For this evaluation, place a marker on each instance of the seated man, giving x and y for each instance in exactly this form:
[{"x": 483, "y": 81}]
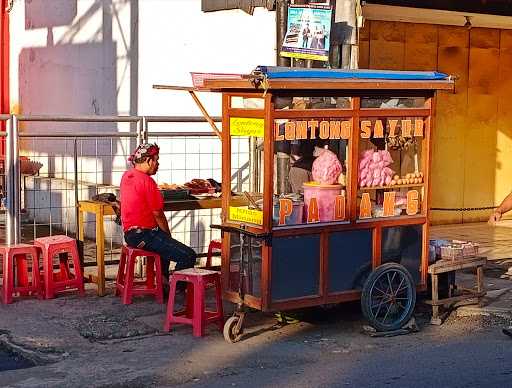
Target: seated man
[{"x": 144, "y": 223}]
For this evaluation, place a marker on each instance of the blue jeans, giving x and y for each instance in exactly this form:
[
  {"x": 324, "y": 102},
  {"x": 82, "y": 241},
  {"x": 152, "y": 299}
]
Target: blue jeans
[{"x": 169, "y": 249}]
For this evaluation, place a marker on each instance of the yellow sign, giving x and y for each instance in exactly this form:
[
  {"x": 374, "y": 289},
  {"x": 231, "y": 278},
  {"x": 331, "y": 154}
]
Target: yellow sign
[
  {"x": 243, "y": 214},
  {"x": 315, "y": 57},
  {"x": 245, "y": 126}
]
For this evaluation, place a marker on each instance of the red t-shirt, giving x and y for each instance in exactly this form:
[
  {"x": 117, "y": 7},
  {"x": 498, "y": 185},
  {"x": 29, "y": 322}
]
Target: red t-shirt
[{"x": 140, "y": 197}]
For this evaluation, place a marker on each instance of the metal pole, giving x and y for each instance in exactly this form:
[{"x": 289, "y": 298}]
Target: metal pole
[
  {"x": 253, "y": 166},
  {"x": 281, "y": 26},
  {"x": 283, "y": 170},
  {"x": 77, "y": 210},
  {"x": 16, "y": 181},
  {"x": 9, "y": 189}
]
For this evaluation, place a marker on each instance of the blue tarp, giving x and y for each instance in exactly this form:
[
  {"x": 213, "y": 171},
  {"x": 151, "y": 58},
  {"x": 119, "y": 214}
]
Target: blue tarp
[{"x": 273, "y": 72}]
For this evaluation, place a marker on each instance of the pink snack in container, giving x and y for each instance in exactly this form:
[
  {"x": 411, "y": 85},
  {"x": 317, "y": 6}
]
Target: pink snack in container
[{"x": 326, "y": 168}]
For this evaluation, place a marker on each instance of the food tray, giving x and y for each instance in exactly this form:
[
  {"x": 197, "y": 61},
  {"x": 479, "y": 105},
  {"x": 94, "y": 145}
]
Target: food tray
[
  {"x": 469, "y": 249},
  {"x": 175, "y": 195},
  {"x": 205, "y": 190},
  {"x": 452, "y": 252}
]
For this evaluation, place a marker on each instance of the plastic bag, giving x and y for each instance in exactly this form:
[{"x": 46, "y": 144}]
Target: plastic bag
[{"x": 326, "y": 168}]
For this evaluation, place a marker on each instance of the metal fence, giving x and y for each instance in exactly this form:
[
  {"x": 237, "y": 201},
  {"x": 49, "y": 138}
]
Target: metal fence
[{"x": 74, "y": 163}]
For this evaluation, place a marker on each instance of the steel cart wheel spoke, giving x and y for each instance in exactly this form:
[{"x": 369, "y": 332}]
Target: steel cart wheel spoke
[{"x": 390, "y": 309}]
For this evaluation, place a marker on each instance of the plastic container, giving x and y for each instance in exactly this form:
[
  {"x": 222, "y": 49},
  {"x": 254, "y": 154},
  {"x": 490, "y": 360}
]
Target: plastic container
[
  {"x": 175, "y": 195},
  {"x": 293, "y": 219},
  {"x": 325, "y": 197}
]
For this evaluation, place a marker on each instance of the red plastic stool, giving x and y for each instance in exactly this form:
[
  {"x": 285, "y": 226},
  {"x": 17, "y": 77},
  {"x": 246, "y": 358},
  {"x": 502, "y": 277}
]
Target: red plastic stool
[
  {"x": 65, "y": 279},
  {"x": 195, "y": 313},
  {"x": 214, "y": 244},
  {"x": 15, "y": 259},
  {"x": 125, "y": 283}
]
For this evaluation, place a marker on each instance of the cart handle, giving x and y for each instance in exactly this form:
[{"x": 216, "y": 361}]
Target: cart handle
[{"x": 237, "y": 229}]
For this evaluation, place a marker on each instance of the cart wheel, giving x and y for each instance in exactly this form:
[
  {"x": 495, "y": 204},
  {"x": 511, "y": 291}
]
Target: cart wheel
[
  {"x": 388, "y": 297},
  {"x": 230, "y": 330}
]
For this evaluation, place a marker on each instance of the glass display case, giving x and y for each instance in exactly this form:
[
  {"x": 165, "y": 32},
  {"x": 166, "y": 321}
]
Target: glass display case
[{"x": 324, "y": 182}]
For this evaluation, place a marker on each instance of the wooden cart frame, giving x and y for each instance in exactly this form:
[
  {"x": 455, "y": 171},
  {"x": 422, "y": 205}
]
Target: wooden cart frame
[{"x": 356, "y": 89}]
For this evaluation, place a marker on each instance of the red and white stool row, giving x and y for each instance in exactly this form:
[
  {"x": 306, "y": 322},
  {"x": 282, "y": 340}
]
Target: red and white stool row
[{"x": 21, "y": 268}]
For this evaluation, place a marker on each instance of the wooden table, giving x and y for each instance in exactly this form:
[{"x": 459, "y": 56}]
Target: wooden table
[
  {"x": 443, "y": 266},
  {"x": 102, "y": 209}
]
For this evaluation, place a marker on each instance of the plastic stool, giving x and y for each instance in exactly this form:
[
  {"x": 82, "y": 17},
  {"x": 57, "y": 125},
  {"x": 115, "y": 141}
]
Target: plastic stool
[
  {"x": 65, "y": 279},
  {"x": 214, "y": 244},
  {"x": 195, "y": 313},
  {"x": 127, "y": 287},
  {"x": 15, "y": 259}
]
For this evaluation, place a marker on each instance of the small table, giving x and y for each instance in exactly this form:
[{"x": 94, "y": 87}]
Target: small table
[
  {"x": 443, "y": 266},
  {"x": 102, "y": 209}
]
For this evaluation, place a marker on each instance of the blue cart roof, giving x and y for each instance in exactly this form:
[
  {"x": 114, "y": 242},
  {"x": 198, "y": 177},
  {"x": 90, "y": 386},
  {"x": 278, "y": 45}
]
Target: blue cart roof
[{"x": 275, "y": 72}]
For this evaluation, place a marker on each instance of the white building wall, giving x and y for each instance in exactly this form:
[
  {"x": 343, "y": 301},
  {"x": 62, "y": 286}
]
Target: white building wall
[
  {"x": 101, "y": 57},
  {"x": 75, "y": 56}
]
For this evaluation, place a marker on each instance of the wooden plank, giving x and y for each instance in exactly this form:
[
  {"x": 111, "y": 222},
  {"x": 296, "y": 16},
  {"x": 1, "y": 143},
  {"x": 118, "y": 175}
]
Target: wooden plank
[
  {"x": 353, "y": 160},
  {"x": 297, "y": 303},
  {"x": 100, "y": 251},
  {"x": 358, "y": 225},
  {"x": 332, "y": 113},
  {"x": 453, "y": 36},
  {"x": 387, "y": 45},
  {"x": 420, "y": 47},
  {"x": 323, "y": 283},
  {"x": 504, "y": 122},
  {"x": 440, "y": 302},
  {"x": 376, "y": 247},
  {"x": 174, "y": 87},
  {"x": 387, "y": 31},
  {"x": 332, "y": 84},
  {"x": 364, "y": 45},
  {"x": 480, "y": 140},
  {"x": 485, "y": 38},
  {"x": 186, "y": 204},
  {"x": 427, "y": 169},
  {"x": 95, "y": 207},
  {"x": 451, "y": 123},
  {"x": 268, "y": 194},
  {"x": 226, "y": 188},
  {"x": 442, "y": 266}
]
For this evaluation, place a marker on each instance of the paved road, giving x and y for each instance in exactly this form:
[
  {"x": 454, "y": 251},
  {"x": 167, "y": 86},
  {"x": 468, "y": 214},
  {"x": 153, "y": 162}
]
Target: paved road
[
  {"x": 483, "y": 360},
  {"x": 465, "y": 353},
  {"x": 105, "y": 344},
  {"x": 10, "y": 362}
]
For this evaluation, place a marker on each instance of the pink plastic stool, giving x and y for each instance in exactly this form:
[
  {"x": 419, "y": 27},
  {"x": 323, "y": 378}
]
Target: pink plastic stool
[
  {"x": 65, "y": 279},
  {"x": 214, "y": 244},
  {"x": 15, "y": 259},
  {"x": 195, "y": 313},
  {"x": 127, "y": 287}
]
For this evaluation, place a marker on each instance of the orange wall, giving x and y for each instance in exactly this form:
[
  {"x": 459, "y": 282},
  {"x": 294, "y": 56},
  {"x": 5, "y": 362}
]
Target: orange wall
[{"x": 472, "y": 139}]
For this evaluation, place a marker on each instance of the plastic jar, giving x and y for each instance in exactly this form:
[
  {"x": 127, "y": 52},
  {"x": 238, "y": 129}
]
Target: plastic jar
[{"x": 325, "y": 198}]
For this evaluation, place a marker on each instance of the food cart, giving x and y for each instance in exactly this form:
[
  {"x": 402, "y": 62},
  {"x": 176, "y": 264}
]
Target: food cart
[{"x": 337, "y": 188}]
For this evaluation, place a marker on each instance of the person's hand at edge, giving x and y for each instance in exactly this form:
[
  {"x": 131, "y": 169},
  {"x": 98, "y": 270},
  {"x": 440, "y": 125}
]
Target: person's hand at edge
[{"x": 495, "y": 217}]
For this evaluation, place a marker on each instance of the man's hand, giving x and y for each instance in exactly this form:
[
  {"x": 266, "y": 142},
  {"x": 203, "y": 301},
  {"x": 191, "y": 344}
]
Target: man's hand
[{"x": 495, "y": 217}]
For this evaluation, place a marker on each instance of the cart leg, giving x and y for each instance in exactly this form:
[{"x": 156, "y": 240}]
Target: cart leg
[
  {"x": 480, "y": 283},
  {"x": 435, "y": 298}
]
